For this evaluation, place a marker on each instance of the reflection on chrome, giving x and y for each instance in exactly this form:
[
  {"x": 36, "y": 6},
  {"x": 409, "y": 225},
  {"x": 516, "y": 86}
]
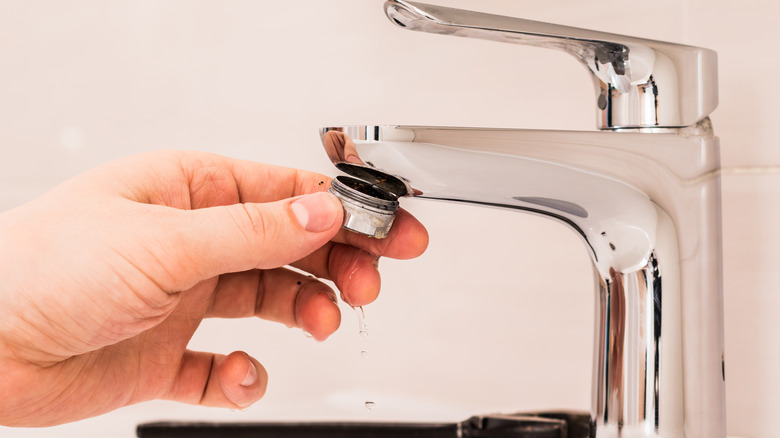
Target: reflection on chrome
[
  {"x": 629, "y": 307},
  {"x": 639, "y": 82},
  {"x": 645, "y": 201},
  {"x": 646, "y": 206}
]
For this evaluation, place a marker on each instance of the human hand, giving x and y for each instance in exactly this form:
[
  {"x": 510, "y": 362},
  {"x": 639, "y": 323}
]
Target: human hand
[{"x": 107, "y": 277}]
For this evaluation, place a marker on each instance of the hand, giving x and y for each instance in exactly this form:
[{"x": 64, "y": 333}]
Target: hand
[{"x": 107, "y": 277}]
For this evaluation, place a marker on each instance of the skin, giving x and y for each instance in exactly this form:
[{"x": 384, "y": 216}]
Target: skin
[{"x": 107, "y": 277}]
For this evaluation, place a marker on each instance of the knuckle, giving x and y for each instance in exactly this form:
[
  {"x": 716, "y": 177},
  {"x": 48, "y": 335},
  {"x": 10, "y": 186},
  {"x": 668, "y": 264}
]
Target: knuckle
[{"x": 255, "y": 227}]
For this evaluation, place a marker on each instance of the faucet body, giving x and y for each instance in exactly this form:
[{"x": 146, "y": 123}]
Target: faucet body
[{"x": 645, "y": 201}]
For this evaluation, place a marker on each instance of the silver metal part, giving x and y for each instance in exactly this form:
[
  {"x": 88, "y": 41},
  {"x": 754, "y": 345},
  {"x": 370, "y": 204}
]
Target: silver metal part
[
  {"x": 639, "y": 83},
  {"x": 645, "y": 201},
  {"x": 647, "y": 207},
  {"x": 368, "y": 209}
]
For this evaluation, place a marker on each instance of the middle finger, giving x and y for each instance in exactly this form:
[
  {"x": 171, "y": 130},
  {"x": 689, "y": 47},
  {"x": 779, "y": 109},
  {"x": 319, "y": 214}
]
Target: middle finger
[
  {"x": 279, "y": 295},
  {"x": 354, "y": 271}
]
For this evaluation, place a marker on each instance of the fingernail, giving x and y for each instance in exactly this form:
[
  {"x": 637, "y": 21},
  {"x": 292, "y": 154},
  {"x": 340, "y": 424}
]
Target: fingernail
[
  {"x": 251, "y": 375},
  {"x": 316, "y": 212}
]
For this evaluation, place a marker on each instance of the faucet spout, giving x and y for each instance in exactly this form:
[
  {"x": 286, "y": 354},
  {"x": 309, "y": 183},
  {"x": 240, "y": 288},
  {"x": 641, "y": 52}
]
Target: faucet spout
[
  {"x": 646, "y": 207},
  {"x": 643, "y": 193}
]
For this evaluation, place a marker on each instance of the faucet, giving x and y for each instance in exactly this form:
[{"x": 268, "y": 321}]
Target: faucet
[{"x": 642, "y": 192}]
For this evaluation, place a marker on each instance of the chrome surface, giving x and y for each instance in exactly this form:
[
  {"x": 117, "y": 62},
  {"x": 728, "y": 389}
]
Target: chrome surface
[
  {"x": 639, "y": 82},
  {"x": 646, "y": 203},
  {"x": 629, "y": 382},
  {"x": 647, "y": 207},
  {"x": 368, "y": 209}
]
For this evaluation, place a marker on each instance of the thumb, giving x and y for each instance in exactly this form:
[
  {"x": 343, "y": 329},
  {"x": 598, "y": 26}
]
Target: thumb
[{"x": 240, "y": 237}]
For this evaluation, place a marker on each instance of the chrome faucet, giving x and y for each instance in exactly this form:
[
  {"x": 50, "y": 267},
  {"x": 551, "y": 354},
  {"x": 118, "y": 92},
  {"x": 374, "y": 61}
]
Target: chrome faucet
[{"x": 643, "y": 193}]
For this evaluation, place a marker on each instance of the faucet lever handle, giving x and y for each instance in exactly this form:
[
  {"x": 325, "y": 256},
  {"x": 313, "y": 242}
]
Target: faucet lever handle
[{"x": 640, "y": 83}]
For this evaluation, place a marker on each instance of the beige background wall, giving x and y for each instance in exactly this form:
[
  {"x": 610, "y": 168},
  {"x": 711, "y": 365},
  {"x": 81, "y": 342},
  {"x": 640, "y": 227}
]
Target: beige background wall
[{"x": 497, "y": 315}]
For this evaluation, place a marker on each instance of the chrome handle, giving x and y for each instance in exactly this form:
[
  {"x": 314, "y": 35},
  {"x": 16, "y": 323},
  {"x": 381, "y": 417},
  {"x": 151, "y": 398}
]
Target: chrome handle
[{"x": 640, "y": 83}]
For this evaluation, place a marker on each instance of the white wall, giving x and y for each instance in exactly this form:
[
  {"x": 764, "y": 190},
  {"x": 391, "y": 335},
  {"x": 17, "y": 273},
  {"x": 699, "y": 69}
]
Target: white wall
[{"x": 496, "y": 316}]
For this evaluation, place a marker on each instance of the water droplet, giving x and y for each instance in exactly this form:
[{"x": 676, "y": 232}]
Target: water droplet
[
  {"x": 369, "y": 405},
  {"x": 364, "y": 354},
  {"x": 362, "y": 327}
]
